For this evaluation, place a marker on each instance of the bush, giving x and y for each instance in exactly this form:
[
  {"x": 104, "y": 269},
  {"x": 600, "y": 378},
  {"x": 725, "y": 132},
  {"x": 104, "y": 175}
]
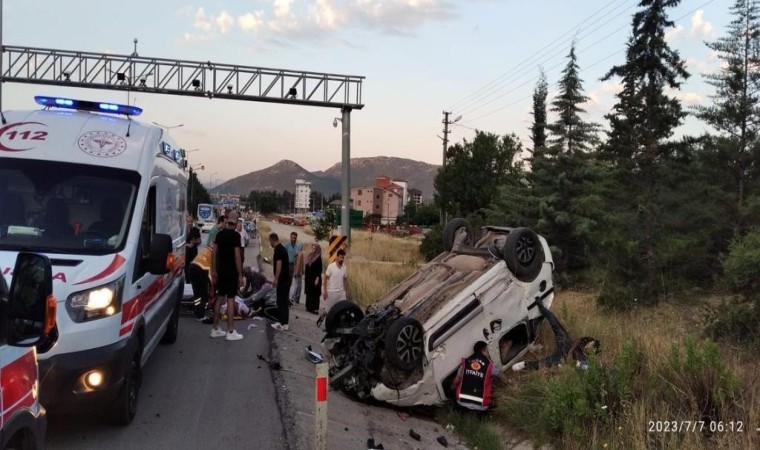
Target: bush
[
  {"x": 698, "y": 382},
  {"x": 741, "y": 267},
  {"x": 432, "y": 243},
  {"x": 735, "y": 321}
]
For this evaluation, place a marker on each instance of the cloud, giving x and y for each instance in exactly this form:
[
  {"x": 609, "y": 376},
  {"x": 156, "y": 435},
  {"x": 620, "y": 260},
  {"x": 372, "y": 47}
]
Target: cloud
[
  {"x": 673, "y": 34},
  {"x": 288, "y": 20},
  {"x": 282, "y": 8},
  {"x": 699, "y": 27},
  {"x": 201, "y": 22},
  {"x": 251, "y": 22},
  {"x": 224, "y": 22},
  {"x": 690, "y": 98}
]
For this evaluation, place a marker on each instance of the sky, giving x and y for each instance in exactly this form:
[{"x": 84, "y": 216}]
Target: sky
[{"x": 478, "y": 59}]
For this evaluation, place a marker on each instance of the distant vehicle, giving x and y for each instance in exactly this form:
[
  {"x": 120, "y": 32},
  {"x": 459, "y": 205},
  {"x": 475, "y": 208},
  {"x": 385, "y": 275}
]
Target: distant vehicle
[
  {"x": 206, "y": 217},
  {"x": 27, "y": 317},
  {"x": 103, "y": 197},
  {"x": 407, "y": 348}
]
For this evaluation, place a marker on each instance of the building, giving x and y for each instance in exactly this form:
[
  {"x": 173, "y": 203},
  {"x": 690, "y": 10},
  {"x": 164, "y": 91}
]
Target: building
[
  {"x": 415, "y": 196},
  {"x": 302, "y": 202},
  {"x": 385, "y": 199}
]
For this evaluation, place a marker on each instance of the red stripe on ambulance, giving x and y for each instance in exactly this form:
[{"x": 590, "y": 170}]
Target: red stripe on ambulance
[{"x": 17, "y": 381}]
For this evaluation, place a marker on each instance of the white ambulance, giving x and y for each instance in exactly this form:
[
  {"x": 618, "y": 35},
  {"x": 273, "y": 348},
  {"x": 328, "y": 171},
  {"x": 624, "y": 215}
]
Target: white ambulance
[{"x": 103, "y": 197}]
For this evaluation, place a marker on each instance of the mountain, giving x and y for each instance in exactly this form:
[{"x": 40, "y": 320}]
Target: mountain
[{"x": 281, "y": 176}]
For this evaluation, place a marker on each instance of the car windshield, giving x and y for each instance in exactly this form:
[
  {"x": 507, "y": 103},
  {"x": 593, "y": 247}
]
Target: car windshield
[{"x": 59, "y": 207}]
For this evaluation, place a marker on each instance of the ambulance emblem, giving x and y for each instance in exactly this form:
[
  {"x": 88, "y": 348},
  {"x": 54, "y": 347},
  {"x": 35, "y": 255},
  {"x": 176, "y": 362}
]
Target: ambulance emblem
[{"x": 102, "y": 143}]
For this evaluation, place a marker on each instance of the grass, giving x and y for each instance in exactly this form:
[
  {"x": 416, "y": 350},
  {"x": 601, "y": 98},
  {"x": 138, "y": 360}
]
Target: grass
[{"x": 478, "y": 433}]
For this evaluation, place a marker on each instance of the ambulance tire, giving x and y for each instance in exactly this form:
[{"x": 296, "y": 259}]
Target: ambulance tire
[
  {"x": 172, "y": 328},
  {"x": 124, "y": 408}
]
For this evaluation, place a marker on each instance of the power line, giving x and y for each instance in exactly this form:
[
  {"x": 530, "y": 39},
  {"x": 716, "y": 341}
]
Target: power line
[
  {"x": 551, "y": 46},
  {"x": 582, "y": 70},
  {"x": 560, "y": 50}
]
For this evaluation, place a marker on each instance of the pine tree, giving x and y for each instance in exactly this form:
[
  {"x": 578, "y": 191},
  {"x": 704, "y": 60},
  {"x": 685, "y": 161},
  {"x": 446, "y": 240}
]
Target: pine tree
[
  {"x": 538, "y": 128},
  {"x": 560, "y": 173},
  {"x": 639, "y": 150},
  {"x": 569, "y": 132},
  {"x": 735, "y": 112}
]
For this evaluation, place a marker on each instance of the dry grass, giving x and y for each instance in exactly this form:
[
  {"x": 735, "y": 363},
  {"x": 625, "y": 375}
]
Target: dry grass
[
  {"x": 368, "y": 280},
  {"x": 383, "y": 247},
  {"x": 655, "y": 331}
]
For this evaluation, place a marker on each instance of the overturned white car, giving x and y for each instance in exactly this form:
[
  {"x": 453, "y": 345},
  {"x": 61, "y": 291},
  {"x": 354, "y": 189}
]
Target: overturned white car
[{"x": 407, "y": 347}]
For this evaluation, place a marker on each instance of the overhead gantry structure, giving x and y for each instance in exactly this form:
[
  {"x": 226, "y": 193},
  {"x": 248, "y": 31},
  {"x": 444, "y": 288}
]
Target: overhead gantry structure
[{"x": 212, "y": 80}]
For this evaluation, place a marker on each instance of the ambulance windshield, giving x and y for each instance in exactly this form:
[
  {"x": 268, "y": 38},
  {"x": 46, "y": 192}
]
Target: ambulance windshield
[{"x": 59, "y": 207}]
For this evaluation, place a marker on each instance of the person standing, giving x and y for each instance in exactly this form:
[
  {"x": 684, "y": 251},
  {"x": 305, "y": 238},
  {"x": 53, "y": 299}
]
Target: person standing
[
  {"x": 298, "y": 268},
  {"x": 227, "y": 275},
  {"x": 281, "y": 281},
  {"x": 335, "y": 286},
  {"x": 192, "y": 241},
  {"x": 215, "y": 229},
  {"x": 313, "y": 278},
  {"x": 293, "y": 247}
]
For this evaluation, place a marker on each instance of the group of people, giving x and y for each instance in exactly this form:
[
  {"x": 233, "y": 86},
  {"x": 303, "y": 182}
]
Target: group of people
[{"x": 219, "y": 278}]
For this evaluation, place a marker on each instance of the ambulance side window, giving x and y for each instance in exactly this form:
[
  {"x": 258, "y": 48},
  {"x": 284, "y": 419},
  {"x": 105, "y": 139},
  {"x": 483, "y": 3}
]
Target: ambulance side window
[{"x": 147, "y": 229}]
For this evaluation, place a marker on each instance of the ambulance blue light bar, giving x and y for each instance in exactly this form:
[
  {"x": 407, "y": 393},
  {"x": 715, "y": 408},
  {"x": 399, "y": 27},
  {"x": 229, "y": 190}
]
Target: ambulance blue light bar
[{"x": 84, "y": 105}]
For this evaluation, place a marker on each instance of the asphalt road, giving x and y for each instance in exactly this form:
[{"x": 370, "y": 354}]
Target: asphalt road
[{"x": 199, "y": 393}]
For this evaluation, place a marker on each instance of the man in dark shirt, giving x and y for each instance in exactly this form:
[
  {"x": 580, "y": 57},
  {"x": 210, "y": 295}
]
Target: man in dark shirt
[
  {"x": 281, "y": 281},
  {"x": 192, "y": 241},
  {"x": 227, "y": 273}
]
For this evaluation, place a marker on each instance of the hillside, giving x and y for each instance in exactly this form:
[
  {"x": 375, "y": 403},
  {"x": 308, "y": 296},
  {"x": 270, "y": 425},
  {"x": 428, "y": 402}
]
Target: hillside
[{"x": 281, "y": 176}]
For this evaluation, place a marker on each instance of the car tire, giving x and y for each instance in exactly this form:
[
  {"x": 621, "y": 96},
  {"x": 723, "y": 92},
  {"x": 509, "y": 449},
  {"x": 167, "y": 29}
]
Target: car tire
[
  {"x": 124, "y": 408},
  {"x": 344, "y": 314},
  {"x": 404, "y": 344},
  {"x": 523, "y": 253},
  {"x": 452, "y": 229}
]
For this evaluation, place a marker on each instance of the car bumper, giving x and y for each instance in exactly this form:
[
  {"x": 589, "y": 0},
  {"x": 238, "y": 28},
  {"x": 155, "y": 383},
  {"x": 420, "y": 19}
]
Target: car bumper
[{"x": 62, "y": 386}]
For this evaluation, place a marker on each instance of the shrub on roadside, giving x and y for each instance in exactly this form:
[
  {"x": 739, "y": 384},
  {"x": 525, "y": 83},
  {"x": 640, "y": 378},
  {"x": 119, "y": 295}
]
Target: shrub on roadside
[{"x": 432, "y": 243}]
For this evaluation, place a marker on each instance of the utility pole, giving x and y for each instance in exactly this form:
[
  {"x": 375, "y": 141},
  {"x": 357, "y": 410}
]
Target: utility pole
[{"x": 445, "y": 147}]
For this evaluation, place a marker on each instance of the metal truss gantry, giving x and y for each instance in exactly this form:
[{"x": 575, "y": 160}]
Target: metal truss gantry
[
  {"x": 135, "y": 73},
  {"x": 180, "y": 77}
]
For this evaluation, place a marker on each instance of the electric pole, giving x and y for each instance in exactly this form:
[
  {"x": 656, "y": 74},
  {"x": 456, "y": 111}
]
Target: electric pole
[{"x": 445, "y": 134}]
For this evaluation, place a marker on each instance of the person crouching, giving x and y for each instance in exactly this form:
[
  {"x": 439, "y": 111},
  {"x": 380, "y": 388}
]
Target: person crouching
[{"x": 474, "y": 379}]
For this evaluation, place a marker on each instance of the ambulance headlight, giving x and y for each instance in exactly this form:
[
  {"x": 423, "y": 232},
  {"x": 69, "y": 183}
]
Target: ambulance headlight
[{"x": 96, "y": 303}]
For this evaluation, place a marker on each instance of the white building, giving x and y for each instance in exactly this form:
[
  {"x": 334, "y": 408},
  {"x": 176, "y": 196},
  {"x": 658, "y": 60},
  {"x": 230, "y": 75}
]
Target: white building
[{"x": 303, "y": 196}]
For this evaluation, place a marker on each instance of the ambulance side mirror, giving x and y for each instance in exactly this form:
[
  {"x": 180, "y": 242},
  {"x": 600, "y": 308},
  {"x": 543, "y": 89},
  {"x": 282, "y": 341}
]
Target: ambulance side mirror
[
  {"x": 31, "y": 305},
  {"x": 161, "y": 252}
]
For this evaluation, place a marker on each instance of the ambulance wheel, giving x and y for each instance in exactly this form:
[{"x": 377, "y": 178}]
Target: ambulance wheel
[
  {"x": 403, "y": 343},
  {"x": 172, "y": 328},
  {"x": 125, "y": 407}
]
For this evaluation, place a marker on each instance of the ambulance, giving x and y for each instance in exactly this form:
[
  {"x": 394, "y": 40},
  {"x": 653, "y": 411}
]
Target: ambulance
[
  {"x": 104, "y": 197},
  {"x": 27, "y": 318}
]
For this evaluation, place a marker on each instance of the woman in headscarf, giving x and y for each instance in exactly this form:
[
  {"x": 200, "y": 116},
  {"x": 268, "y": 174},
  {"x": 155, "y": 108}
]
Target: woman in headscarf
[{"x": 313, "y": 278}]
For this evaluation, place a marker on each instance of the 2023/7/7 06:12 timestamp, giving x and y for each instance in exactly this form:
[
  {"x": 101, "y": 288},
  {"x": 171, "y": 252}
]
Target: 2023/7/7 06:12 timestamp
[{"x": 695, "y": 426}]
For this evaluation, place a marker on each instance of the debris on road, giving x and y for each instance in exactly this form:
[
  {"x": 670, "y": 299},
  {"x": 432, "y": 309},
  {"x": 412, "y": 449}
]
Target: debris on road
[
  {"x": 442, "y": 440},
  {"x": 416, "y": 436},
  {"x": 312, "y": 356}
]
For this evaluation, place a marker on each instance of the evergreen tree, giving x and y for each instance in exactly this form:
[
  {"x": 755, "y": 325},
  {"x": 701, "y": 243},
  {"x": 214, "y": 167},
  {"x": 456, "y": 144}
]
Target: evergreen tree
[
  {"x": 561, "y": 174},
  {"x": 638, "y": 148},
  {"x": 569, "y": 133},
  {"x": 735, "y": 112},
  {"x": 538, "y": 128}
]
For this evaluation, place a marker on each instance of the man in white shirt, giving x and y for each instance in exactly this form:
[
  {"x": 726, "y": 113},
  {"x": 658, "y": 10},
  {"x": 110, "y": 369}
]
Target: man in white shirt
[{"x": 335, "y": 286}]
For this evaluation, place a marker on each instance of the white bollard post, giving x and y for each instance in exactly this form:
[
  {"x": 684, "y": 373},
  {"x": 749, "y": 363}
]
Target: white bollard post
[{"x": 320, "y": 409}]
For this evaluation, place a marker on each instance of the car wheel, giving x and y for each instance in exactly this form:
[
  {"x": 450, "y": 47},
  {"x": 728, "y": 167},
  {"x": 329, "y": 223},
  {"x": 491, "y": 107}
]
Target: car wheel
[
  {"x": 523, "y": 253},
  {"x": 453, "y": 231},
  {"x": 403, "y": 343},
  {"x": 125, "y": 407},
  {"x": 344, "y": 314}
]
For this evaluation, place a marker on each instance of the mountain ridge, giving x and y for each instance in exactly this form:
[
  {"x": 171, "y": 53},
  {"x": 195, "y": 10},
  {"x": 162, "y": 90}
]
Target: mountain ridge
[{"x": 281, "y": 176}]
